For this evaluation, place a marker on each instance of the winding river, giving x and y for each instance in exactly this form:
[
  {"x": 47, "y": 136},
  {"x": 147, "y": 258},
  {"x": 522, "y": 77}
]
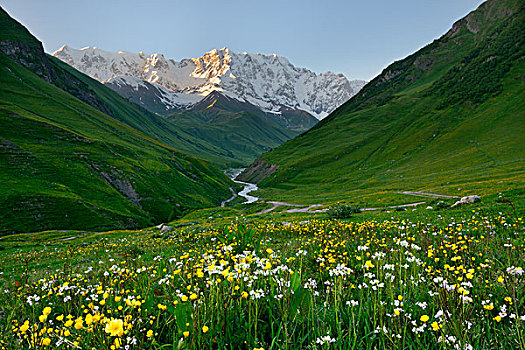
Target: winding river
[{"x": 248, "y": 187}]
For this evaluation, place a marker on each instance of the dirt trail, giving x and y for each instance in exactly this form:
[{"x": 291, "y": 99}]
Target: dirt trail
[
  {"x": 223, "y": 204},
  {"x": 307, "y": 209},
  {"x": 278, "y": 204},
  {"x": 428, "y": 194},
  {"x": 67, "y": 238},
  {"x": 395, "y": 206}
]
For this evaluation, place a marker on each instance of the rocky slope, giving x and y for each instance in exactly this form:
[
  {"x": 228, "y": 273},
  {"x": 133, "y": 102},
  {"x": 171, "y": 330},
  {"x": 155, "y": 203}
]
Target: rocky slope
[{"x": 270, "y": 82}]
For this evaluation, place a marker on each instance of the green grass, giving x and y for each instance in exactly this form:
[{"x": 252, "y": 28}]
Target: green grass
[
  {"x": 378, "y": 280},
  {"x": 14, "y": 31},
  {"x": 241, "y": 136},
  {"x": 447, "y": 119},
  {"x": 66, "y": 165}
]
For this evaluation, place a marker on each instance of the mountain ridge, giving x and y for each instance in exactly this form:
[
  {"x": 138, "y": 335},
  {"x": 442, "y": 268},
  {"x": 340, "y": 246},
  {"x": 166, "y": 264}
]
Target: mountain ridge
[
  {"x": 423, "y": 122},
  {"x": 269, "y": 81}
]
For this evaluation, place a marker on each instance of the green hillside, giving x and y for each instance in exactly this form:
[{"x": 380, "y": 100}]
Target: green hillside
[
  {"x": 241, "y": 130},
  {"x": 65, "y": 164},
  {"x": 235, "y": 138},
  {"x": 228, "y": 134},
  {"x": 450, "y": 119}
]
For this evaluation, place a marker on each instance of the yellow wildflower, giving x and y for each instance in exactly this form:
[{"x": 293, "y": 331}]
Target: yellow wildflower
[
  {"x": 369, "y": 264},
  {"x": 115, "y": 327},
  {"x": 24, "y": 327}
]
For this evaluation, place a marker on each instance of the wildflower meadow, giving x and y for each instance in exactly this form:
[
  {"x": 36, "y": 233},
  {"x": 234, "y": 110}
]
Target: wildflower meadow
[{"x": 451, "y": 281}]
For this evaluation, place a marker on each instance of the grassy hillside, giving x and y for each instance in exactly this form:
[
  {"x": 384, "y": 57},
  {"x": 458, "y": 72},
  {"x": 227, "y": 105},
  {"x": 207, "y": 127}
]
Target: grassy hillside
[
  {"x": 65, "y": 164},
  {"x": 240, "y": 130},
  {"x": 449, "y": 118},
  {"x": 230, "y": 141}
]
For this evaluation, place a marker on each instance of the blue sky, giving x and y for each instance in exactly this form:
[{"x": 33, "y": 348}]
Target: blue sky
[{"x": 356, "y": 38}]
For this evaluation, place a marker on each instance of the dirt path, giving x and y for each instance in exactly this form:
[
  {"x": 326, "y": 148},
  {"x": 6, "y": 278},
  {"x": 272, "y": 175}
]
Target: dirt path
[
  {"x": 223, "y": 204},
  {"x": 428, "y": 194},
  {"x": 307, "y": 209},
  {"x": 278, "y": 204},
  {"x": 68, "y": 238},
  {"x": 395, "y": 206}
]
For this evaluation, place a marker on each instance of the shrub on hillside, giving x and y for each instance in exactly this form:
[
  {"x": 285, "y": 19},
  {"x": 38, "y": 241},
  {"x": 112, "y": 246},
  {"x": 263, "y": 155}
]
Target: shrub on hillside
[
  {"x": 442, "y": 205},
  {"x": 502, "y": 199},
  {"x": 342, "y": 211}
]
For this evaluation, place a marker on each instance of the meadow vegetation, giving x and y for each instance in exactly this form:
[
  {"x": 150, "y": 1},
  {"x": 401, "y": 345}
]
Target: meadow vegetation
[
  {"x": 447, "y": 119},
  {"x": 438, "y": 279},
  {"x": 342, "y": 211}
]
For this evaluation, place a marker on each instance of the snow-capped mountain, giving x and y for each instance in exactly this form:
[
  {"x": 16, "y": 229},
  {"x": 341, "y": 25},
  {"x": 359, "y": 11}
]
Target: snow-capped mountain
[
  {"x": 270, "y": 82},
  {"x": 151, "y": 96}
]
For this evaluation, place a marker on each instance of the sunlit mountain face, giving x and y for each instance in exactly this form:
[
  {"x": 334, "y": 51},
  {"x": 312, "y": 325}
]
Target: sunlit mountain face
[{"x": 270, "y": 82}]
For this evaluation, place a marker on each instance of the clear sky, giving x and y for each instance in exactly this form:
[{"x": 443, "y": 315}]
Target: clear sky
[{"x": 355, "y": 37}]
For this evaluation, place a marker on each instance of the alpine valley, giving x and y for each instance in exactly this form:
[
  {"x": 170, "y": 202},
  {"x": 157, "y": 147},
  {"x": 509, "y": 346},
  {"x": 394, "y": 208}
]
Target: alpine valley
[
  {"x": 236, "y": 201},
  {"x": 243, "y": 104},
  {"x": 77, "y": 153}
]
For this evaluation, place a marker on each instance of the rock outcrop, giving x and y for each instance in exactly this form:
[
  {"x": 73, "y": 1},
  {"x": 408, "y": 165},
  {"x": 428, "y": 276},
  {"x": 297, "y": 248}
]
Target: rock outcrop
[{"x": 467, "y": 199}]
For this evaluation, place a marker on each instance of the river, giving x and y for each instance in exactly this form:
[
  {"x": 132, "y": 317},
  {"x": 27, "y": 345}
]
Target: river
[{"x": 248, "y": 187}]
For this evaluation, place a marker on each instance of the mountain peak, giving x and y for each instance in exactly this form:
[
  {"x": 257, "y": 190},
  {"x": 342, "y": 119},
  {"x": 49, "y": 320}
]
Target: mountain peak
[{"x": 268, "y": 81}]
